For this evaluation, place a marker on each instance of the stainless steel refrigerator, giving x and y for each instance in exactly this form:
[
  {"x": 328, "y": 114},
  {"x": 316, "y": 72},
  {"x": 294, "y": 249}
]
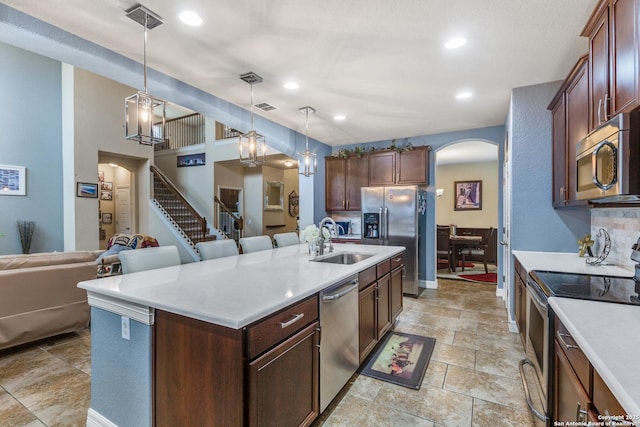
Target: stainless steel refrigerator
[{"x": 390, "y": 217}]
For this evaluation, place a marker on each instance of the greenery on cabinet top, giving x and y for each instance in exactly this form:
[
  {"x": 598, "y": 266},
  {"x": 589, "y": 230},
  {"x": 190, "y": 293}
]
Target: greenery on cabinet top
[{"x": 359, "y": 150}]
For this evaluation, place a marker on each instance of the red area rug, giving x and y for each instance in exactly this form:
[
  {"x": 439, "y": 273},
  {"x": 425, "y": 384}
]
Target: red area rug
[{"x": 480, "y": 278}]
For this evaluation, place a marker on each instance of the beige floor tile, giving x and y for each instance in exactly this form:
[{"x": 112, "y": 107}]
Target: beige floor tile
[
  {"x": 441, "y": 406},
  {"x": 502, "y": 363},
  {"x": 353, "y": 411},
  {"x": 14, "y": 414},
  {"x": 76, "y": 352},
  {"x": 489, "y": 414},
  {"x": 489, "y": 387},
  {"x": 452, "y": 355},
  {"x": 466, "y": 325}
]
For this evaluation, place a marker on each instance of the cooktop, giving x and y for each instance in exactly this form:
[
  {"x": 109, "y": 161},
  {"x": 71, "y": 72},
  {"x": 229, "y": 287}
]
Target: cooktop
[{"x": 584, "y": 286}]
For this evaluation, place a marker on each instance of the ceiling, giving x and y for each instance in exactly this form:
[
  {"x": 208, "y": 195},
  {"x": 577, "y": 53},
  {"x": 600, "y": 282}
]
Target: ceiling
[{"x": 380, "y": 63}]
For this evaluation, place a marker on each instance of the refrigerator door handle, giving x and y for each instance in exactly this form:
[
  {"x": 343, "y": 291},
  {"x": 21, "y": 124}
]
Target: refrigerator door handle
[
  {"x": 386, "y": 225},
  {"x": 382, "y": 225}
]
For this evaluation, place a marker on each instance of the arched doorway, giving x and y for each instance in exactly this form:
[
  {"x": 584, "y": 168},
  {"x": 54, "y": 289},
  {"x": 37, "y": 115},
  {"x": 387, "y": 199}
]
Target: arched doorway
[{"x": 467, "y": 187}]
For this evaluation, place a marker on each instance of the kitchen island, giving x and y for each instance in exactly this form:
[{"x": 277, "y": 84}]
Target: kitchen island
[{"x": 188, "y": 341}]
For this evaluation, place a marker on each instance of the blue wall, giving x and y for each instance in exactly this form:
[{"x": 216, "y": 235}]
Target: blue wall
[
  {"x": 121, "y": 371},
  {"x": 30, "y": 119}
]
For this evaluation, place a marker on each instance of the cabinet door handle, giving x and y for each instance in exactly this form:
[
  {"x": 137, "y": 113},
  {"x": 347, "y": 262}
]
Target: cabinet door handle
[
  {"x": 295, "y": 318},
  {"x": 599, "y": 111},
  {"x": 343, "y": 204},
  {"x": 605, "y": 110},
  {"x": 561, "y": 337},
  {"x": 581, "y": 414},
  {"x": 397, "y": 259},
  {"x": 347, "y": 204}
]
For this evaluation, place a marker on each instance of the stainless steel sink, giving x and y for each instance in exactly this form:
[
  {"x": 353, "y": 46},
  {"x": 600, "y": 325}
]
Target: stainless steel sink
[{"x": 343, "y": 258}]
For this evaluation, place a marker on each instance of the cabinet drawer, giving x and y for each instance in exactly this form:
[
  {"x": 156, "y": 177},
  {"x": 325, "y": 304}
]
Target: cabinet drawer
[
  {"x": 383, "y": 267},
  {"x": 277, "y": 327},
  {"x": 396, "y": 261},
  {"x": 604, "y": 401},
  {"x": 366, "y": 277},
  {"x": 578, "y": 360}
]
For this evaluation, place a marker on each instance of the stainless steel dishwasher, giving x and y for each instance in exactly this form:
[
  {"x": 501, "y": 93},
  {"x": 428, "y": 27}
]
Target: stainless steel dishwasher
[{"x": 339, "y": 353}]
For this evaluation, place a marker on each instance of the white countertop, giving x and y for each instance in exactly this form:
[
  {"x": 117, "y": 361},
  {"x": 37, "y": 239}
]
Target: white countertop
[
  {"x": 348, "y": 236},
  {"x": 567, "y": 263},
  {"x": 238, "y": 290},
  {"x": 609, "y": 335}
]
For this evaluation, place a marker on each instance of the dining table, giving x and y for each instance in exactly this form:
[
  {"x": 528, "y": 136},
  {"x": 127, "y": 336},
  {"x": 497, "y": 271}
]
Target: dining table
[{"x": 458, "y": 242}]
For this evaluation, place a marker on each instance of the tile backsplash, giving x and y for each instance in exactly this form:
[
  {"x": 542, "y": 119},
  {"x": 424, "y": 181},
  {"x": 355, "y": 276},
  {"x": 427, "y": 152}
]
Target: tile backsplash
[{"x": 623, "y": 225}]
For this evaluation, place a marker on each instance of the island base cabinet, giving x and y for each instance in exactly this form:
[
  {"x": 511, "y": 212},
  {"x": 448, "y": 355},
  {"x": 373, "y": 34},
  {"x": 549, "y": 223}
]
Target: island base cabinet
[
  {"x": 198, "y": 373},
  {"x": 396, "y": 292},
  {"x": 368, "y": 324},
  {"x": 284, "y": 382}
]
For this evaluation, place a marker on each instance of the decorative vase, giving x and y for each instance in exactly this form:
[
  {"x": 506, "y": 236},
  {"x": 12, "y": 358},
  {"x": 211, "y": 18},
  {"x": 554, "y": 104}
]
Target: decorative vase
[{"x": 313, "y": 249}]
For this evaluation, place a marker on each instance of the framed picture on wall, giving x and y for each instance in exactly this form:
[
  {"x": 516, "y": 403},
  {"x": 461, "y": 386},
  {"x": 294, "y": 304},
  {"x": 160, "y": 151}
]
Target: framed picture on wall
[
  {"x": 106, "y": 186},
  {"x": 106, "y": 195},
  {"x": 191, "y": 160},
  {"x": 85, "y": 189},
  {"x": 100, "y": 176},
  {"x": 107, "y": 218},
  {"x": 468, "y": 195},
  {"x": 12, "y": 180}
]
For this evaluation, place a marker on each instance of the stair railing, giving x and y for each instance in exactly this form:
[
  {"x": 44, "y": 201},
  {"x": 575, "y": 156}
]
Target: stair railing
[
  {"x": 183, "y": 201},
  {"x": 238, "y": 222}
]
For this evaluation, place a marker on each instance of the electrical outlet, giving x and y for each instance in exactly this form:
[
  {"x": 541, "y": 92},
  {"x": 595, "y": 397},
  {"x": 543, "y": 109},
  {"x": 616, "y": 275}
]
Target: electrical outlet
[{"x": 126, "y": 331}]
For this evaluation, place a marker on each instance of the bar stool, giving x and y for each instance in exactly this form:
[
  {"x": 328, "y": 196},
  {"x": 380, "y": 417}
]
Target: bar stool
[
  {"x": 217, "y": 249},
  {"x": 255, "y": 244},
  {"x": 286, "y": 239},
  {"x": 148, "y": 258}
]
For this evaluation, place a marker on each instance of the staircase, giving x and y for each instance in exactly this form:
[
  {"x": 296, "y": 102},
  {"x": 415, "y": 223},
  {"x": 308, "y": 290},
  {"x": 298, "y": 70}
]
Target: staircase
[{"x": 189, "y": 223}]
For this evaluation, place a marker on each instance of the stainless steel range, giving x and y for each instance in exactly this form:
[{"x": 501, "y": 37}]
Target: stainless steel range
[{"x": 539, "y": 320}]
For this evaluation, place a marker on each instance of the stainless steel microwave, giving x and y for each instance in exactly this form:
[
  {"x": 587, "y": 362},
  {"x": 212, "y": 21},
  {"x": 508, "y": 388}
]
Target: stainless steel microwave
[{"x": 608, "y": 162}]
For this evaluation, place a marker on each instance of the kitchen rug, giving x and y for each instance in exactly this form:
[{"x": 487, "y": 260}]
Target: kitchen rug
[
  {"x": 400, "y": 359},
  {"x": 480, "y": 278}
]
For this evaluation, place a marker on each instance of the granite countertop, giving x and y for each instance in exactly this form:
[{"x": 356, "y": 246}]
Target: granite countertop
[
  {"x": 565, "y": 262},
  {"x": 609, "y": 335},
  {"x": 238, "y": 290}
]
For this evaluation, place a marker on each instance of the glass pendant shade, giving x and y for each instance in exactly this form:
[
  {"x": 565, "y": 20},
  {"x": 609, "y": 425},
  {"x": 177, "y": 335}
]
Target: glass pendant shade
[
  {"x": 252, "y": 146},
  {"x": 253, "y": 149},
  {"x": 307, "y": 160},
  {"x": 145, "y": 116}
]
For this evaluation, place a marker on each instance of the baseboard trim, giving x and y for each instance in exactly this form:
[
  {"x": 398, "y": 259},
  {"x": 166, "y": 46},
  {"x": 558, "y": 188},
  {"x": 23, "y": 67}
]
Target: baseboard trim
[
  {"x": 429, "y": 284},
  {"x": 95, "y": 419},
  {"x": 499, "y": 292},
  {"x": 513, "y": 326}
]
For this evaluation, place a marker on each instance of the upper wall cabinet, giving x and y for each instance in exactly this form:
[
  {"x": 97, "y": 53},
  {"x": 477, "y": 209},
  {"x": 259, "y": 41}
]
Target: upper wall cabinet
[
  {"x": 570, "y": 113},
  {"x": 343, "y": 180},
  {"x": 613, "y": 32},
  {"x": 408, "y": 167}
]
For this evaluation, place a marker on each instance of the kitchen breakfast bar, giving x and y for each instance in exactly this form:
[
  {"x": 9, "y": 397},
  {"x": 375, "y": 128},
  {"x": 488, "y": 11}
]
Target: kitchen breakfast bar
[{"x": 230, "y": 341}]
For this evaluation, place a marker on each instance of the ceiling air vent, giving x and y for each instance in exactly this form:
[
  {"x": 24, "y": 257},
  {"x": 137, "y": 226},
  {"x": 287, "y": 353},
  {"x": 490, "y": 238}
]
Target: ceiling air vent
[{"x": 265, "y": 106}]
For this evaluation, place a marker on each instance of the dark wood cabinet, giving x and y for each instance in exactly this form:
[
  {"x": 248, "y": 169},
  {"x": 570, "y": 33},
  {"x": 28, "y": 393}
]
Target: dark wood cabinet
[
  {"x": 284, "y": 382},
  {"x": 380, "y": 301},
  {"x": 570, "y": 121},
  {"x": 269, "y": 371},
  {"x": 408, "y": 167},
  {"x": 613, "y": 59},
  {"x": 572, "y": 402},
  {"x": 343, "y": 180}
]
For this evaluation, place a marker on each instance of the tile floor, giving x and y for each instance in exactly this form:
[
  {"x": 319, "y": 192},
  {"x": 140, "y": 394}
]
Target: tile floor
[{"x": 472, "y": 379}]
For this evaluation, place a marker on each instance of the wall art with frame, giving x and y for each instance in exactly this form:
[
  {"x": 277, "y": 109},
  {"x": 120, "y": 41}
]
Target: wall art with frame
[
  {"x": 468, "y": 195},
  {"x": 13, "y": 180},
  {"x": 86, "y": 189}
]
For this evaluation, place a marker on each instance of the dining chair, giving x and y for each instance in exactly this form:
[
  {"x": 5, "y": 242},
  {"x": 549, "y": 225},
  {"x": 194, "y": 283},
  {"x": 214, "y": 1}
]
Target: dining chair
[
  {"x": 136, "y": 260},
  {"x": 286, "y": 239},
  {"x": 480, "y": 251},
  {"x": 444, "y": 245},
  {"x": 256, "y": 243},
  {"x": 217, "y": 249}
]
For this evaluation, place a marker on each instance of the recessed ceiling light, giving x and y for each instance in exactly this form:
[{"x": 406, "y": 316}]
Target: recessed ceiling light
[
  {"x": 291, "y": 85},
  {"x": 339, "y": 117},
  {"x": 464, "y": 95},
  {"x": 190, "y": 18},
  {"x": 455, "y": 43}
]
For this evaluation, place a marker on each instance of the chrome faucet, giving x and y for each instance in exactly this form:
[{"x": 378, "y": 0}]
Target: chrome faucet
[{"x": 321, "y": 246}]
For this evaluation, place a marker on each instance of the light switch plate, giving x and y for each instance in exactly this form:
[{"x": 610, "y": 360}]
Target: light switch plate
[{"x": 126, "y": 331}]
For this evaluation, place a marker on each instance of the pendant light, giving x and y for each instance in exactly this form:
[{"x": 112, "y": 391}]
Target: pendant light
[
  {"x": 307, "y": 161},
  {"x": 251, "y": 145},
  {"x": 145, "y": 115}
]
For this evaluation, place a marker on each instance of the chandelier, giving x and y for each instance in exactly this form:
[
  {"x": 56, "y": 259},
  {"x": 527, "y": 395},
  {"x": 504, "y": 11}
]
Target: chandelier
[
  {"x": 251, "y": 145},
  {"x": 145, "y": 115},
  {"x": 307, "y": 161}
]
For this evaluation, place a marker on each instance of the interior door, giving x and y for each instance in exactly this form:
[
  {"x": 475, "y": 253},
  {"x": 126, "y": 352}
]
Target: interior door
[{"x": 123, "y": 209}]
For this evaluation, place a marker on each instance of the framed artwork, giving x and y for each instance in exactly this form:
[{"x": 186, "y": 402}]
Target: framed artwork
[
  {"x": 100, "y": 176},
  {"x": 107, "y": 218},
  {"x": 191, "y": 160},
  {"x": 85, "y": 189},
  {"x": 468, "y": 195},
  {"x": 12, "y": 180},
  {"x": 106, "y": 186},
  {"x": 106, "y": 195}
]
